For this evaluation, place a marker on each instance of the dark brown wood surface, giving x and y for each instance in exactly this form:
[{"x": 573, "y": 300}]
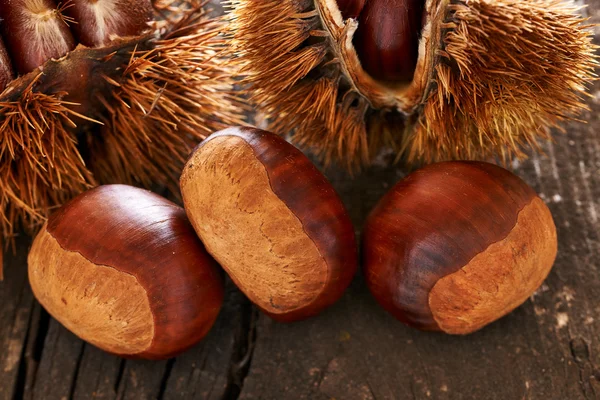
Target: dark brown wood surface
[{"x": 549, "y": 348}]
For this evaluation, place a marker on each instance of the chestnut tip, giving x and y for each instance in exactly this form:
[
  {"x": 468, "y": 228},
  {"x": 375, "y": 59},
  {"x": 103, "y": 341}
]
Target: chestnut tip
[
  {"x": 34, "y": 32},
  {"x": 351, "y": 8},
  {"x": 99, "y": 21}
]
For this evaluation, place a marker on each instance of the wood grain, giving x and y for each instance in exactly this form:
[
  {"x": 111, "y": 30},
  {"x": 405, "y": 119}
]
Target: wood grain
[{"x": 16, "y": 309}]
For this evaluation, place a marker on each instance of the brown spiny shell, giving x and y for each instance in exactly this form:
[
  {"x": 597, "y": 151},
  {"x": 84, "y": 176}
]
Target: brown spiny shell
[
  {"x": 127, "y": 109},
  {"x": 492, "y": 77}
]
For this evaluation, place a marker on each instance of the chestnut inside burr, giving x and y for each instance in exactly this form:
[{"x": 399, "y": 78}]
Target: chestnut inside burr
[
  {"x": 388, "y": 35},
  {"x": 6, "y": 71},
  {"x": 100, "y": 20},
  {"x": 34, "y": 31}
]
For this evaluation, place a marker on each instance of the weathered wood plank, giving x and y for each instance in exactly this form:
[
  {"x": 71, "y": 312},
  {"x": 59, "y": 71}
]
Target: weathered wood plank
[
  {"x": 547, "y": 349},
  {"x": 206, "y": 372},
  {"x": 69, "y": 368},
  {"x": 16, "y": 305},
  {"x": 60, "y": 361},
  {"x": 99, "y": 375}
]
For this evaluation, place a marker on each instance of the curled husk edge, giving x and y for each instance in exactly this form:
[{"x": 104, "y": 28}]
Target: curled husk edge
[{"x": 493, "y": 77}]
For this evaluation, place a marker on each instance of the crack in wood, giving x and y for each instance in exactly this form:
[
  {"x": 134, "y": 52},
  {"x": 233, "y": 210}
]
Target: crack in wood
[
  {"x": 120, "y": 373},
  {"x": 21, "y": 379},
  {"x": 76, "y": 372},
  {"x": 580, "y": 350},
  {"x": 165, "y": 379},
  {"x": 32, "y": 352},
  {"x": 243, "y": 351}
]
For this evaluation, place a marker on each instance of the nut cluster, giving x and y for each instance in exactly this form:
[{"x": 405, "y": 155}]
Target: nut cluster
[
  {"x": 35, "y": 31},
  {"x": 452, "y": 247},
  {"x": 124, "y": 269}
]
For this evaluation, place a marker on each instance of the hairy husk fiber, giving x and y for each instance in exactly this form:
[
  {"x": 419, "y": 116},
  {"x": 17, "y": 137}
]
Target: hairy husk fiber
[
  {"x": 128, "y": 113},
  {"x": 504, "y": 72}
]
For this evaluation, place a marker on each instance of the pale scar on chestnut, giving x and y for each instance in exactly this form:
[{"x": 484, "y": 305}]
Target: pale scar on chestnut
[{"x": 82, "y": 298}]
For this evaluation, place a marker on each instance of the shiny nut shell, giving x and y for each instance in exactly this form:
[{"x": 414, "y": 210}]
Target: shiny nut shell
[
  {"x": 272, "y": 220},
  {"x": 122, "y": 268},
  {"x": 457, "y": 245}
]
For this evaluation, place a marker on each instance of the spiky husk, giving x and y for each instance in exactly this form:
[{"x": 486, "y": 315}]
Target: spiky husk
[
  {"x": 172, "y": 91},
  {"x": 511, "y": 70},
  {"x": 505, "y": 73},
  {"x": 279, "y": 44}
]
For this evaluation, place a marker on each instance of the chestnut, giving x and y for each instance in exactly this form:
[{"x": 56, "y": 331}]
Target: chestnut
[
  {"x": 387, "y": 39},
  {"x": 123, "y": 269},
  {"x": 100, "y": 21},
  {"x": 34, "y": 32},
  {"x": 272, "y": 220},
  {"x": 6, "y": 71},
  {"x": 457, "y": 245}
]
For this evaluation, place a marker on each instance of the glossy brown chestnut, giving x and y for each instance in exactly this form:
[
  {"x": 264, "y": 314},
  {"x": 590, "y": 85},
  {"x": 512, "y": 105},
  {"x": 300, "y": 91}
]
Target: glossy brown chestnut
[
  {"x": 34, "y": 31},
  {"x": 100, "y": 21},
  {"x": 123, "y": 269},
  {"x": 272, "y": 220},
  {"x": 457, "y": 245},
  {"x": 387, "y": 39}
]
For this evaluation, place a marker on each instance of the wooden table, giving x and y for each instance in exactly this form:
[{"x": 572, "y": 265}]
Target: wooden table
[{"x": 547, "y": 349}]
